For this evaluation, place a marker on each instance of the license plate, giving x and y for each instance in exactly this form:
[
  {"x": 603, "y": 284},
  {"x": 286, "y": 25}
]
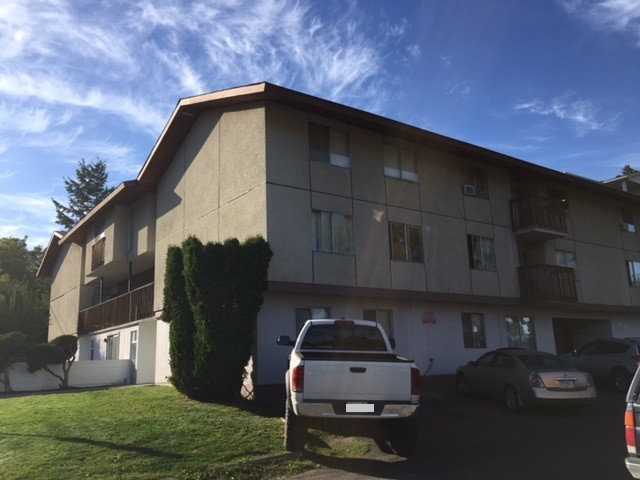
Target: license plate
[
  {"x": 566, "y": 383},
  {"x": 360, "y": 408}
]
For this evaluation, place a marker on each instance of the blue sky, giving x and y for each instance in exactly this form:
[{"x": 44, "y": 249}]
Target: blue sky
[{"x": 554, "y": 82}]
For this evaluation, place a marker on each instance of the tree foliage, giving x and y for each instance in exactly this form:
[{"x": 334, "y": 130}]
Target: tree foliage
[
  {"x": 24, "y": 298},
  {"x": 628, "y": 170},
  {"x": 60, "y": 350},
  {"x": 85, "y": 191},
  {"x": 177, "y": 312},
  {"x": 12, "y": 349},
  {"x": 224, "y": 285}
]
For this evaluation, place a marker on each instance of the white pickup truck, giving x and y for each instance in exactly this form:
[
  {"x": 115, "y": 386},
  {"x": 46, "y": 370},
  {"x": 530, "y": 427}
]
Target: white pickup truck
[{"x": 346, "y": 369}]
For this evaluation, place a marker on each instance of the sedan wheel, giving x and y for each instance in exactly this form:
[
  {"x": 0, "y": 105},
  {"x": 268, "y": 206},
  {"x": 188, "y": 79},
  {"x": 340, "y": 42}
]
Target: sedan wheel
[
  {"x": 462, "y": 385},
  {"x": 621, "y": 380},
  {"x": 511, "y": 398}
]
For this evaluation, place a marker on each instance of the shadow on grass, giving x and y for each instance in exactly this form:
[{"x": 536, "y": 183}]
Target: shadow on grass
[{"x": 99, "y": 443}]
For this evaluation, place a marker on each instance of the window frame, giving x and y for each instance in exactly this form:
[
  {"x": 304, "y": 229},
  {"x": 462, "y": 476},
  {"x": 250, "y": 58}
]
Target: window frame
[
  {"x": 323, "y": 145},
  {"x": 628, "y": 222},
  {"x": 409, "y": 254},
  {"x": 471, "y": 339},
  {"x": 113, "y": 347},
  {"x": 564, "y": 262},
  {"x": 633, "y": 273},
  {"x": 478, "y": 178},
  {"x": 337, "y": 223},
  {"x": 518, "y": 320},
  {"x": 375, "y": 318},
  {"x": 133, "y": 347},
  {"x": 401, "y": 173},
  {"x": 488, "y": 265},
  {"x": 298, "y": 325}
]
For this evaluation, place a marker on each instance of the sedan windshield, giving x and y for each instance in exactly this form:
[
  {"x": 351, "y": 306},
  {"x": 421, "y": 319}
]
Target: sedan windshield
[{"x": 543, "y": 363}]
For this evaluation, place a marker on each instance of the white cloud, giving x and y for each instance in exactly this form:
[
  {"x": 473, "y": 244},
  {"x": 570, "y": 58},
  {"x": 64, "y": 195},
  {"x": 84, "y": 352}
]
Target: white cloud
[
  {"x": 22, "y": 119},
  {"x": 33, "y": 204},
  {"x": 8, "y": 173},
  {"x": 581, "y": 114},
  {"x": 458, "y": 88},
  {"x": 608, "y": 15}
]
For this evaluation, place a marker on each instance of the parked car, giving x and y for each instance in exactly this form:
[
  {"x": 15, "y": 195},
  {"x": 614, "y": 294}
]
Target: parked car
[
  {"x": 614, "y": 359},
  {"x": 522, "y": 377},
  {"x": 632, "y": 425}
]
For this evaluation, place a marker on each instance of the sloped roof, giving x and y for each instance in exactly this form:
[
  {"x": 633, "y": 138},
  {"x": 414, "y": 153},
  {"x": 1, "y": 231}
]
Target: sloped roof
[{"x": 187, "y": 110}]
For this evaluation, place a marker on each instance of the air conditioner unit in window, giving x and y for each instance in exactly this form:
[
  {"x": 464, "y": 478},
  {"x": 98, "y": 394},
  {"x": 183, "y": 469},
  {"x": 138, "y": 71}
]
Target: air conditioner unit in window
[
  {"x": 470, "y": 190},
  {"x": 628, "y": 227}
]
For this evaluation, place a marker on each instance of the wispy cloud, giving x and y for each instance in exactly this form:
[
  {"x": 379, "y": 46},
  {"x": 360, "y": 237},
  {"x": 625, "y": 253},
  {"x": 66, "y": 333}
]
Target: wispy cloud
[
  {"x": 608, "y": 15},
  {"x": 581, "y": 114},
  {"x": 8, "y": 173},
  {"x": 457, "y": 88},
  {"x": 34, "y": 204}
]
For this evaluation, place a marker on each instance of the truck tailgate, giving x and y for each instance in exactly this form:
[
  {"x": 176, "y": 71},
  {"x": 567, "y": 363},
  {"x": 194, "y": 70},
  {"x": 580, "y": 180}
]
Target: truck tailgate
[{"x": 357, "y": 380}]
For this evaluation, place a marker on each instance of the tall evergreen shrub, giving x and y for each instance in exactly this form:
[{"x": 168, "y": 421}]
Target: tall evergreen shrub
[
  {"x": 224, "y": 285},
  {"x": 177, "y": 312}
]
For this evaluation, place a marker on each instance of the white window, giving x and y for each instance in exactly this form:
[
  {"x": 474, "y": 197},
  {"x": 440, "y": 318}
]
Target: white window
[
  {"x": 520, "y": 332},
  {"x": 92, "y": 349},
  {"x": 133, "y": 347},
  {"x": 566, "y": 259},
  {"x": 308, "y": 313},
  {"x": 383, "y": 317},
  {"x": 628, "y": 223},
  {"x": 332, "y": 232},
  {"x": 329, "y": 145},
  {"x": 113, "y": 347},
  {"x": 400, "y": 163},
  {"x": 482, "y": 253},
  {"x": 474, "y": 182},
  {"x": 633, "y": 269},
  {"x": 473, "y": 330},
  {"x": 406, "y": 242}
]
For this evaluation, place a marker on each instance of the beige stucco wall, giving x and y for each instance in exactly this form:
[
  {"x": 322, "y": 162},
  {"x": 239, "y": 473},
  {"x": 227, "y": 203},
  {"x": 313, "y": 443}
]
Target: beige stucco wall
[
  {"x": 214, "y": 187},
  {"x": 143, "y": 224},
  {"x": 66, "y": 291},
  {"x": 435, "y": 203}
]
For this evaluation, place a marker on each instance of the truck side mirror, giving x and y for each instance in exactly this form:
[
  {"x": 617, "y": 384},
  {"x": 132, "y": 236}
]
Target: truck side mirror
[
  {"x": 392, "y": 342},
  {"x": 285, "y": 341}
]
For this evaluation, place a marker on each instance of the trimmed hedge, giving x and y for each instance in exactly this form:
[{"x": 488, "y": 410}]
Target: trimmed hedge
[{"x": 223, "y": 285}]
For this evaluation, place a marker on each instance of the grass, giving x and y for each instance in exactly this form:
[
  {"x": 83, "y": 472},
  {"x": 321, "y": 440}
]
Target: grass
[{"x": 144, "y": 433}]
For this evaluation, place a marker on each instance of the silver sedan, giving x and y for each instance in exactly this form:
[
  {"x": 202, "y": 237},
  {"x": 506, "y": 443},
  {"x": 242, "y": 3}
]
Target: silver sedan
[{"x": 525, "y": 377}]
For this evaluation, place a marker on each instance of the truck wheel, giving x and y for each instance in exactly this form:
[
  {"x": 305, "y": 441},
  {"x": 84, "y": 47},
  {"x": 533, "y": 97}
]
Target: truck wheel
[
  {"x": 404, "y": 434},
  {"x": 295, "y": 430}
]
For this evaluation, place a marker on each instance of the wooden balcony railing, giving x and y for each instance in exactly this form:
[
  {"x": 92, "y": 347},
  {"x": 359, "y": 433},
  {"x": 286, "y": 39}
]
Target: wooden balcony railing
[
  {"x": 535, "y": 212},
  {"x": 548, "y": 282},
  {"x": 97, "y": 254},
  {"x": 126, "y": 308}
]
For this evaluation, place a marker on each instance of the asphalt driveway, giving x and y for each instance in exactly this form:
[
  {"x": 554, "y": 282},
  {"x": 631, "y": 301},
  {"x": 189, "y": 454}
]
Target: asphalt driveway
[{"x": 476, "y": 439}]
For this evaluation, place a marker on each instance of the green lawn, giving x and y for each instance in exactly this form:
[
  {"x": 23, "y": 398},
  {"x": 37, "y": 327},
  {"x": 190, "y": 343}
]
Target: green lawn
[{"x": 144, "y": 432}]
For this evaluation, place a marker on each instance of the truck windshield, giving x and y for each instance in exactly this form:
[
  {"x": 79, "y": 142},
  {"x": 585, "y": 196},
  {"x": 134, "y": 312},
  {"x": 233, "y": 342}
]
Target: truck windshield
[{"x": 358, "y": 338}]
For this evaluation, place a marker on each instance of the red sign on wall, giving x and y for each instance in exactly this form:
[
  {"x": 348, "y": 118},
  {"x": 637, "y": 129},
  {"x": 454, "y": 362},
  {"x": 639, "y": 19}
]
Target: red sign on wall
[{"x": 428, "y": 318}]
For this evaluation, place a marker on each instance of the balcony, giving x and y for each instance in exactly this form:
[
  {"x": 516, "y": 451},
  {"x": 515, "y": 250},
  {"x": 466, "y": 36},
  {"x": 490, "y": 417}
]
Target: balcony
[
  {"x": 132, "y": 306},
  {"x": 536, "y": 218},
  {"x": 97, "y": 253},
  {"x": 548, "y": 283}
]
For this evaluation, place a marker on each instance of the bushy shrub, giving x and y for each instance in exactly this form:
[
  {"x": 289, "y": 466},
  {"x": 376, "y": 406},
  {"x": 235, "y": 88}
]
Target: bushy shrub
[
  {"x": 60, "y": 350},
  {"x": 224, "y": 285},
  {"x": 177, "y": 312},
  {"x": 12, "y": 350}
]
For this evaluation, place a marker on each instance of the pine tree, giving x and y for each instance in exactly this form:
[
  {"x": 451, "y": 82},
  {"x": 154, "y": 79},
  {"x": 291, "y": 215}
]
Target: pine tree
[{"x": 86, "y": 191}]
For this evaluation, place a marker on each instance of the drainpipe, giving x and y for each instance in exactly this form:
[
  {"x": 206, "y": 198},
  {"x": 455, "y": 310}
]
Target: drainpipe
[
  {"x": 100, "y": 290},
  {"x": 129, "y": 280}
]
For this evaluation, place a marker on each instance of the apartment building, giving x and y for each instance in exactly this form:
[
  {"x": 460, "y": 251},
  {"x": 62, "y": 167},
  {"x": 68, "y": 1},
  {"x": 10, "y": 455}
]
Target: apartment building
[{"x": 454, "y": 248}]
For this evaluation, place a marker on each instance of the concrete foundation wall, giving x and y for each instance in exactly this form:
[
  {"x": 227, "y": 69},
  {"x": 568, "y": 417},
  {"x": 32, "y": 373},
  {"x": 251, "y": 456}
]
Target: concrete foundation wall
[{"x": 82, "y": 374}]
